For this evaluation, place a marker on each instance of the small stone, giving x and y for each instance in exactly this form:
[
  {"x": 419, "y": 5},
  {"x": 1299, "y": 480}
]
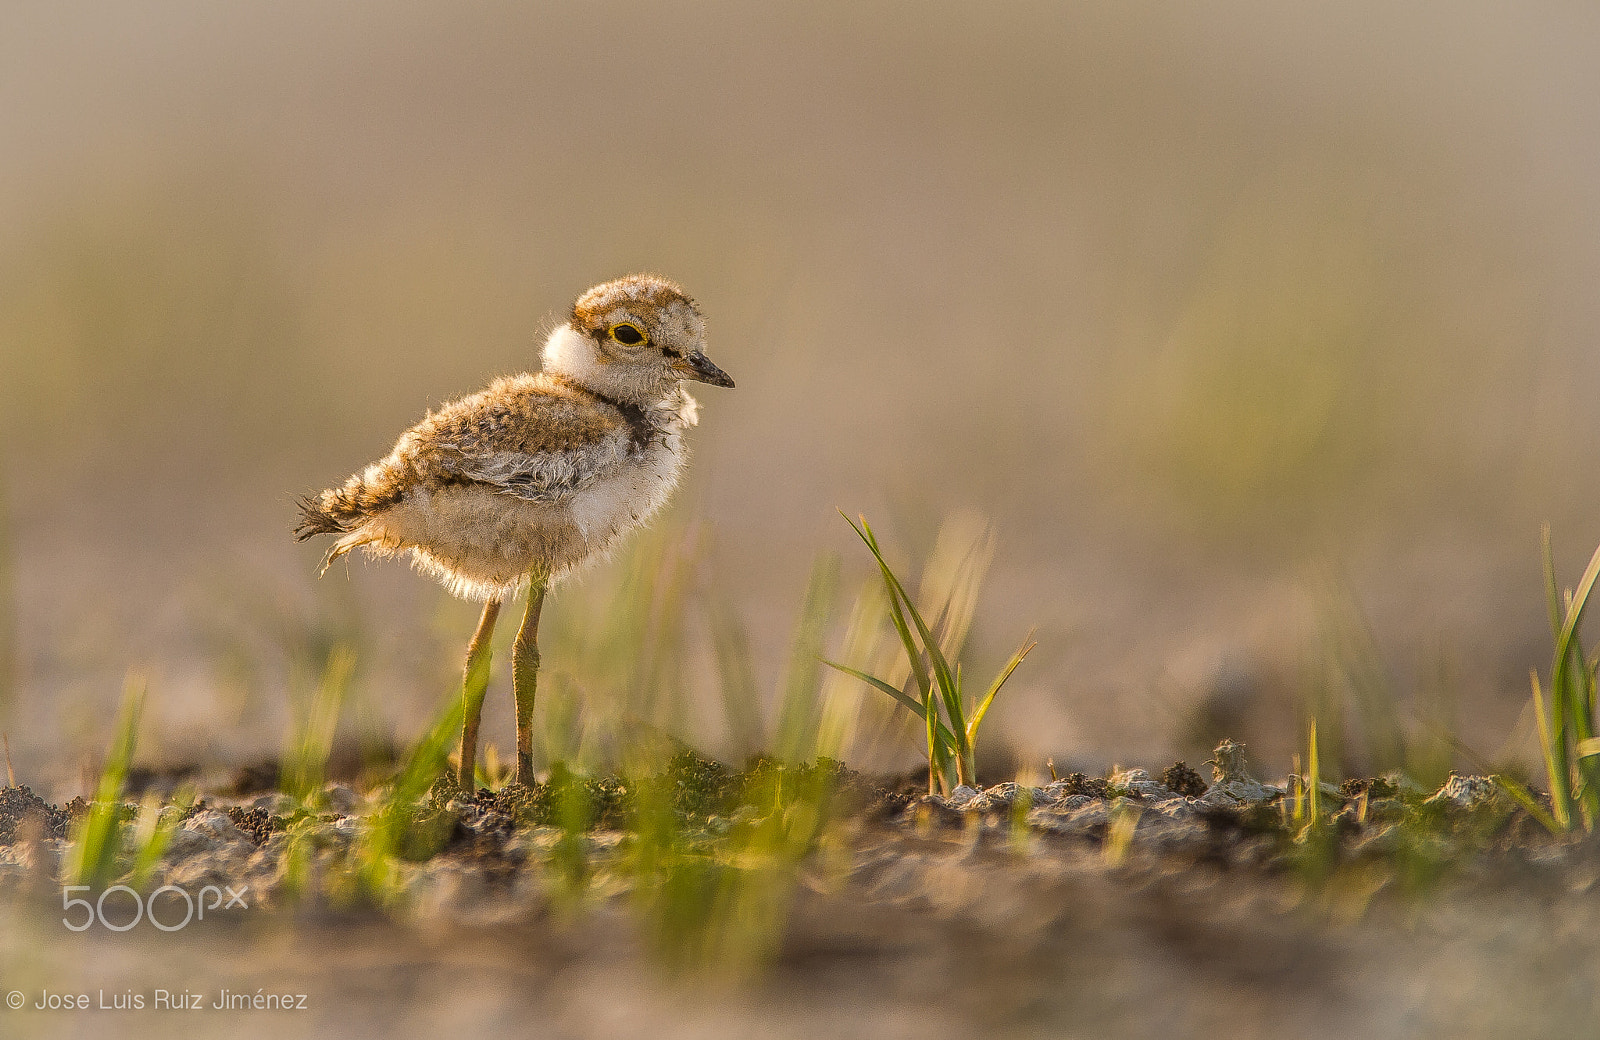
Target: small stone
[
  {"x": 1175, "y": 808},
  {"x": 1053, "y": 819},
  {"x": 195, "y": 873},
  {"x": 1002, "y": 795},
  {"x": 185, "y": 843},
  {"x": 959, "y": 798},
  {"x": 1074, "y": 820},
  {"x": 216, "y": 826},
  {"x": 276, "y": 803},
  {"x": 340, "y": 799},
  {"x": 1233, "y": 792},
  {"x": 1227, "y": 761},
  {"x": 1093, "y": 813},
  {"x": 1137, "y": 782},
  {"x": 1466, "y": 792}
]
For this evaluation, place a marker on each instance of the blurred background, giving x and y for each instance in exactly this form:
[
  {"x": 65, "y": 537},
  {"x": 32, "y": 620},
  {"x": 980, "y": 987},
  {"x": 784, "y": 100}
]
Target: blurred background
[{"x": 1265, "y": 338}]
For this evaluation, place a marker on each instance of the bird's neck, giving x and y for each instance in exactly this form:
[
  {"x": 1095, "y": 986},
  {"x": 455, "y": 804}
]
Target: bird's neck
[{"x": 573, "y": 356}]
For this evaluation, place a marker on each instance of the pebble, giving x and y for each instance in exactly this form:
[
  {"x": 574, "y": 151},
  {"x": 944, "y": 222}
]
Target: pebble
[
  {"x": 1234, "y": 791},
  {"x": 1137, "y": 782},
  {"x": 277, "y": 803},
  {"x": 216, "y": 826},
  {"x": 959, "y": 798},
  {"x": 1072, "y": 815},
  {"x": 340, "y": 799},
  {"x": 1466, "y": 792},
  {"x": 185, "y": 843}
]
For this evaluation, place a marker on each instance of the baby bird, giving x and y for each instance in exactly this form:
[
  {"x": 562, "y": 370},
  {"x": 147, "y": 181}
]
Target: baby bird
[{"x": 518, "y": 485}]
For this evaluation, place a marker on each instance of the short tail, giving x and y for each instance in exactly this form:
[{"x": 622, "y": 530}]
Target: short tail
[
  {"x": 318, "y": 516},
  {"x": 343, "y": 510}
]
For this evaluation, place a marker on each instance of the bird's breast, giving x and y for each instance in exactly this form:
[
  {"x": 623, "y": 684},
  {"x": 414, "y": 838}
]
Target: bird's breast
[{"x": 628, "y": 494}]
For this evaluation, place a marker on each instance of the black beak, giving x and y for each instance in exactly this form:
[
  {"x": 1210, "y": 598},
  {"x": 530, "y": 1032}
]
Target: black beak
[{"x": 699, "y": 367}]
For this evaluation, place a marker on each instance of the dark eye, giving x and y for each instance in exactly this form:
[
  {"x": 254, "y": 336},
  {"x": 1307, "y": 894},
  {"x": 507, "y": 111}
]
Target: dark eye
[{"x": 627, "y": 334}]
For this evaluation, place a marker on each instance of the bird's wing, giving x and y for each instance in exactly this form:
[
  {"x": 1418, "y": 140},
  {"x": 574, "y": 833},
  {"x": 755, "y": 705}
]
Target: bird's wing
[{"x": 528, "y": 436}]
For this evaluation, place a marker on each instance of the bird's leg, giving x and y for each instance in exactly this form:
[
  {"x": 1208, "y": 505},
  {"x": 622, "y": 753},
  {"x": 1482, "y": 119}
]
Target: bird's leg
[
  {"x": 525, "y": 678},
  {"x": 473, "y": 684}
]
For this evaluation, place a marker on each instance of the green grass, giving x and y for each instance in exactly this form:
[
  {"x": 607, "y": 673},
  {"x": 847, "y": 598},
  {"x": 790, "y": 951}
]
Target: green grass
[
  {"x": 96, "y": 841},
  {"x": 315, "y": 718},
  {"x": 401, "y": 828},
  {"x": 712, "y": 856},
  {"x": 152, "y": 833},
  {"x": 614, "y": 654},
  {"x": 952, "y": 736},
  {"x": 1566, "y": 720}
]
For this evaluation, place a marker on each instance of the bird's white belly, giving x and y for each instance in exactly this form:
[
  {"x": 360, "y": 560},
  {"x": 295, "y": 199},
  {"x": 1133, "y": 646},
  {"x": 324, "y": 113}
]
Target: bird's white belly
[
  {"x": 483, "y": 544},
  {"x": 630, "y": 496}
]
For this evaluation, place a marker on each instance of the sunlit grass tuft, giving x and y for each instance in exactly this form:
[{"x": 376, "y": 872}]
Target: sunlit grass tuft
[
  {"x": 153, "y": 830},
  {"x": 1566, "y": 722},
  {"x": 97, "y": 838},
  {"x": 393, "y": 833},
  {"x": 316, "y": 717},
  {"x": 951, "y": 739}
]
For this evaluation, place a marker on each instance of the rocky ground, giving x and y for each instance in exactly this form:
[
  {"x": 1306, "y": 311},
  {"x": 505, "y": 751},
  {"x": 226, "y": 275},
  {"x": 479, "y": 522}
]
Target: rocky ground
[{"x": 1128, "y": 905}]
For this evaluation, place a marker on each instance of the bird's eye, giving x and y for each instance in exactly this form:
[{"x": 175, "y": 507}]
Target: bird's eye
[{"x": 627, "y": 334}]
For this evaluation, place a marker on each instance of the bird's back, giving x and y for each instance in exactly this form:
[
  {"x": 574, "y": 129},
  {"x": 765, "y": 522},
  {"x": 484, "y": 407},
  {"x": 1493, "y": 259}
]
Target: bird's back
[{"x": 532, "y": 474}]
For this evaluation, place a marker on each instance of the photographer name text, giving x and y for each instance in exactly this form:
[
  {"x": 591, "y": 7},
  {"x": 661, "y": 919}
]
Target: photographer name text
[{"x": 158, "y": 1000}]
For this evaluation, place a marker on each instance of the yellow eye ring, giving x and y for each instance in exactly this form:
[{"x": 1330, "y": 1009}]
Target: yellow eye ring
[{"x": 628, "y": 334}]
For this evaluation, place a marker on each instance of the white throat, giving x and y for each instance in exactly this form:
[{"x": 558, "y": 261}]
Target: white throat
[{"x": 572, "y": 354}]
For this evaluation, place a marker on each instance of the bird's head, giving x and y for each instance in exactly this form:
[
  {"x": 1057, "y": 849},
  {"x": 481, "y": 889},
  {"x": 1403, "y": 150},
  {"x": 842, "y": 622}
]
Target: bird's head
[{"x": 633, "y": 339}]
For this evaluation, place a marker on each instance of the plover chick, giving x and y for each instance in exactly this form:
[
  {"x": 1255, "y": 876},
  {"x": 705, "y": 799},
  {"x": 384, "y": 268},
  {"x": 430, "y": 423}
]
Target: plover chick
[{"x": 518, "y": 485}]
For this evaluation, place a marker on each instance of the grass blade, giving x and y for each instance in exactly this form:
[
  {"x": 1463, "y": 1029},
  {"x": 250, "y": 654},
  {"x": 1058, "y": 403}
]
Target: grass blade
[
  {"x": 1559, "y": 804},
  {"x": 910, "y": 704},
  {"x": 1314, "y": 776},
  {"x": 943, "y": 675},
  {"x": 893, "y": 587},
  {"x": 93, "y": 859},
  {"x": 305, "y": 765},
  {"x": 1000, "y": 680},
  {"x": 1571, "y": 695},
  {"x": 798, "y": 713},
  {"x": 1525, "y": 798},
  {"x": 1580, "y": 604},
  {"x": 741, "y": 698}
]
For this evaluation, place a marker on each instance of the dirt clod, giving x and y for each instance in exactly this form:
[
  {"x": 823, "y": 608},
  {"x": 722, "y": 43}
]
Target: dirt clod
[
  {"x": 1183, "y": 780},
  {"x": 19, "y": 805},
  {"x": 256, "y": 823},
  {"x": 1078, "y": 783}
]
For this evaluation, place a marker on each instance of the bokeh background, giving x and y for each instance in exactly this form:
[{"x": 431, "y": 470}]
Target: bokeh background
[{"x": 1265, "y": 336}]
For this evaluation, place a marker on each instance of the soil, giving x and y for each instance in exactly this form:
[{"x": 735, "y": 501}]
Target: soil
[{"x": 1094, "y": 907}]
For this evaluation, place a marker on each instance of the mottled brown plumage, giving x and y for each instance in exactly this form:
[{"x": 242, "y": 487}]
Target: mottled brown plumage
[{"x": 521, "y": 483}]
